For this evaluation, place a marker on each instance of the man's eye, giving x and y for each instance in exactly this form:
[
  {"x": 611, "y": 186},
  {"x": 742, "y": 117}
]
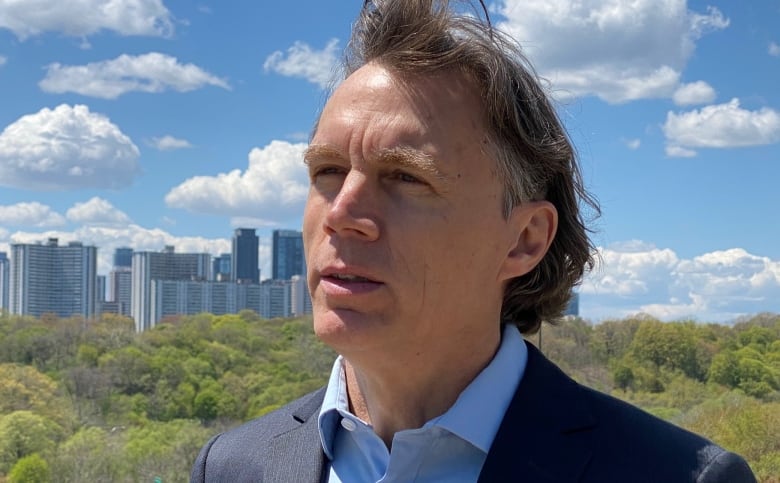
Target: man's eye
[
  {"x": 406, "y": 178},
  {"x": 327, "y": 171}
]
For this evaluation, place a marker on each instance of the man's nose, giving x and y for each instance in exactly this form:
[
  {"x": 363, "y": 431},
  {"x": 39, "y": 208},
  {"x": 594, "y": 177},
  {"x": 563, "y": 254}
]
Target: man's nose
[{"x": 353, "y": 211}]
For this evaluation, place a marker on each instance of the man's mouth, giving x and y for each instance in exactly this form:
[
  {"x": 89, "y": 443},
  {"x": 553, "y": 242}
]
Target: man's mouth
[
  {"x": 341, "y": 283},
  {"x": 348, "y": 278}
]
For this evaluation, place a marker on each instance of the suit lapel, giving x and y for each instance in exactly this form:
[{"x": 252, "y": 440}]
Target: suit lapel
[
  {"x": 297, "y": 455},
  {"x": 546, "y": 432}
]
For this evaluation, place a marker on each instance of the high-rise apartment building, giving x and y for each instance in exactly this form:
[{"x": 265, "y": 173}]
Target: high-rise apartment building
[
  {"x": 100, "y": 288},
  {"x": 300, "y": 301},
  {"x": 244, "y": 257},
  {"x": 5, "y": 273},
  {"x": 48, "y": 278},
  {"x": 573, "y": 307},
  {"x": 221, "y": 267},
  {"x": 287, "y": 255},
  {"x": 184, "y": 297},
  {"x": 123, "y": 257},
  {"x": 164, "y": 265},
  {"x": 120, "y": 281},
  {"x": 276, "y": 300}
]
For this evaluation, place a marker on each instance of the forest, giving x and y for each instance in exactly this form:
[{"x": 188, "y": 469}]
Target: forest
[{"x": 91, "y": 400}]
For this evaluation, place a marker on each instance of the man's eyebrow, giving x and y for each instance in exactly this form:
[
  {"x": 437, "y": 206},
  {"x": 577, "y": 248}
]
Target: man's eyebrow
[
  {"x": 411, "y": 158},
  {"x": 321, "y": 151},
  {"x": 399, "y": 156}
]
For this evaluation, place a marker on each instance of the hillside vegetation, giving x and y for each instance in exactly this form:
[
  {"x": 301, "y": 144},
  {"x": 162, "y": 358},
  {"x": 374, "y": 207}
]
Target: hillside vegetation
[{"x": 94, "y": 401}]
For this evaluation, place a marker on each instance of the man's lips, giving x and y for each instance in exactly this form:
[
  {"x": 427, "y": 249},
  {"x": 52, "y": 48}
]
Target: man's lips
[{"x": 342, "y": 282}]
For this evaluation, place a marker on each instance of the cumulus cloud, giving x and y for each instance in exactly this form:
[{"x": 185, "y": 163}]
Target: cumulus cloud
[
  {"x": 245, "y": 221},
  {"x": 616, "y": 50},
  {"x": 168, "y": 143},
  {"x": 81, "y": 18},
  {"x": 679, "y": 152},
  {"x": 66, "y": 148},
  {"x": 153, "y": 72},
  {"x": 721, "y": 126},
  {"x": 273, "y": 187},
  {"x": 316, "y": 66},
  {"x": 108, "y": 238},
  {"x": 97, "y": 211},
  {"x": 694, "y": 93},
  {"x": 774, "y": 49},
  {"x": 633, "y": 144},
  {"x": 715, "y": 286},
  {"x": 31, "y": 214},
  {"x": 631, "y": 270}
]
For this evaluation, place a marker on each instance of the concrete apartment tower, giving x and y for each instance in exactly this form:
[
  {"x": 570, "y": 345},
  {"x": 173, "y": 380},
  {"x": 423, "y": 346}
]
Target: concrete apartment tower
[
  {"x": 164, "y": 265},
  {"x": 287, "y": 259},
  {"x": 49, "y": 278},
  {"x": 244, "y": 257}
]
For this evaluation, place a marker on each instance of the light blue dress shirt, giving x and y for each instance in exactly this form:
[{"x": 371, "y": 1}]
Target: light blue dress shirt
[{"x": 449, "y": 448}]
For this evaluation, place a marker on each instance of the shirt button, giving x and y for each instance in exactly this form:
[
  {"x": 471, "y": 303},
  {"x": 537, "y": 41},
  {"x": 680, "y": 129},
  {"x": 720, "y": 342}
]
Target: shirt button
[{"x": 348, "y": 424}]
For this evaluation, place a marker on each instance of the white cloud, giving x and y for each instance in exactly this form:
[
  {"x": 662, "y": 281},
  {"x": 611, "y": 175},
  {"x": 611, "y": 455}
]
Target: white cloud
[
  {"x": 721, "y": 126},
  {"x": 316, "y": 66},
  {"x": 698, "y": 92},
  {"x": 79, "y": 18},
  {"x": 273, "y": 187},
  {"x": 630, "y": 269},
  {"x": 247, "y": 221},
  {"x": 153, "y": 72},
  {"x": 3, "y": 60},
  {"x": 168, "y": 143},
  {"x": 32, "y": 214},
  {"x": 633, "y": 144},
  {"x": 679, "y": 152},
  {"x": 107, "y": 239},
  {"x": 774, "y": 49},
  {"x": 65, "y": 148},
  {"x": 614, "y": 49},
  {"x": 97, "y": 211},
  {"x": 715, "y": 286}
]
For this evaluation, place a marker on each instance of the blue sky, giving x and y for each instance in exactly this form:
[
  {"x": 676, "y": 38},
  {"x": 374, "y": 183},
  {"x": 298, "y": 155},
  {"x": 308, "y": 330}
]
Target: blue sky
[{"x": 150, "y": 122}]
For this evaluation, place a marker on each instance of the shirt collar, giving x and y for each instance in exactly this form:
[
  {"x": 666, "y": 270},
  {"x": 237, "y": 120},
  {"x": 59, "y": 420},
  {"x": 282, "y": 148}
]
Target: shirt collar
[
  {"x": 479, "y": 410},
  {"x": 476, "y": 414},
  {"x": 335, "y": 400}
]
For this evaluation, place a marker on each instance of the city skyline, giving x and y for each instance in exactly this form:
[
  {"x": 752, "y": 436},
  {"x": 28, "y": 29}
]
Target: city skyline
[
  {"x": 185, "y": 121},
  {"x": 149, "y": 286}
]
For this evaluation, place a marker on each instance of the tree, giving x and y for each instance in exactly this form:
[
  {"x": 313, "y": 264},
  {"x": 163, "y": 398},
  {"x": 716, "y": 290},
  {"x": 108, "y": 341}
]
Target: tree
[
  {"x": 30, "y": 469},
  {"x": 741, "y": 424},
  {"x": 671, "y": 345},
  {"x": 23, "y": 433},
  {"x": 91, "y": 454}
]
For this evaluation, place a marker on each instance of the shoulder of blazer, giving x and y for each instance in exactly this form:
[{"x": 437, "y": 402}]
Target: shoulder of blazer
[
  {"x": 557, "y": 430},
  {"x": 263, "y": 449}
]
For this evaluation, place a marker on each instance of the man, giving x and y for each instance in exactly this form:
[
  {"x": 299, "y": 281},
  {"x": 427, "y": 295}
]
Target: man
[{"x": 443, "y": 219}]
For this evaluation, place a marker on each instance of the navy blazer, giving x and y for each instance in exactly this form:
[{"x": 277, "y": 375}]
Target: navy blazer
[{"x": 554, "y": 430}]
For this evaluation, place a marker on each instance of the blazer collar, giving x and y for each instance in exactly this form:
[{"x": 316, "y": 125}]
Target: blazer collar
[
  {"x": 297, "y": 454},
  {"x": 545, "y": 434}
]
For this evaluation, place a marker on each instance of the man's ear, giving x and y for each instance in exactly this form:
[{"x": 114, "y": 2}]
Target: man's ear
[{"x": 534, "y": 224}]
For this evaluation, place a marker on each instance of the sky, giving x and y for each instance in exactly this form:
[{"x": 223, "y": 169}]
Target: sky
[{"x": 146, "y": 123}]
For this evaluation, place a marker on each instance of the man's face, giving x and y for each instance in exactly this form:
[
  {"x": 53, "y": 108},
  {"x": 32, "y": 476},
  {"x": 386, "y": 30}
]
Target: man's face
[{"x": 403, "y": 230}]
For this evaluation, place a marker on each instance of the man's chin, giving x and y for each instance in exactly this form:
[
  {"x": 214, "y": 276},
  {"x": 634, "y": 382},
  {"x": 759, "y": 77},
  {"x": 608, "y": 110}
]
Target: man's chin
[{"x": 343, "y": 329}]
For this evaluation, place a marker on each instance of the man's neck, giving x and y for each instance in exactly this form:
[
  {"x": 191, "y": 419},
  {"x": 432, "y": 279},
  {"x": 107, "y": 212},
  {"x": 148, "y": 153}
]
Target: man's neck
[{"x": 411, "y": 392}]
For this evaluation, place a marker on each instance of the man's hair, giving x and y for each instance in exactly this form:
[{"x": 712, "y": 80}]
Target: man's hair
[{"x": 534, "y": 156}]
